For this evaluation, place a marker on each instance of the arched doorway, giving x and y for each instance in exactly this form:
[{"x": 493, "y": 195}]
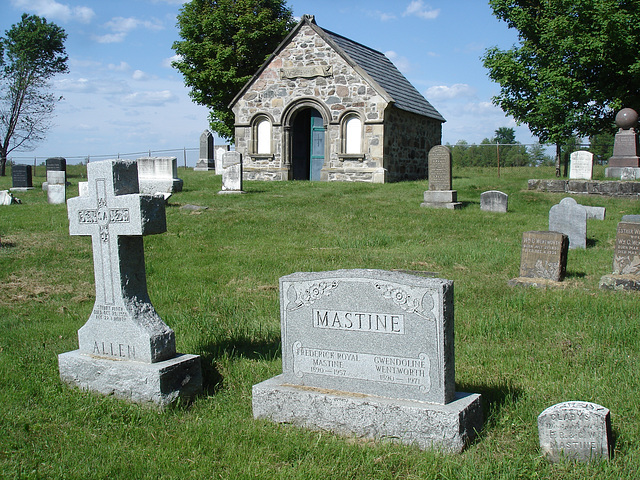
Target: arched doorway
[{"x": 307, "y": 144}]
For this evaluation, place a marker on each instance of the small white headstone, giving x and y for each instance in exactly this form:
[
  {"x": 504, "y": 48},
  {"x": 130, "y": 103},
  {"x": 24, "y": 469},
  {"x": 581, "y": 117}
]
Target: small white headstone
[
  {"x": 231, "y": 173},
  {"x": 570, "y": 218},
  {"x": 56, "y": 192},
  {"x": 579, "y": 431},
  {"x": 159, "y": 175},
  {"x": 581, "y": 167}
]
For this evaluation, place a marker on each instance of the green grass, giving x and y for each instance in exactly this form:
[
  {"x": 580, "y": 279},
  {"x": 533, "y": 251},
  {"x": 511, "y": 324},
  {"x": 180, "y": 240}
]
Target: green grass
[{"x": 213, "y": 277}]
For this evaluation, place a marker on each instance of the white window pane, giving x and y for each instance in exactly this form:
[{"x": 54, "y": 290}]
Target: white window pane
[
  {"x": 353, "y": 131},
  {"x": 264, "y": 136}
]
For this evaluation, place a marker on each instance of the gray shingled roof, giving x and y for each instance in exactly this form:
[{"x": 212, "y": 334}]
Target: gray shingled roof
[{"x": 385, "y": 73}]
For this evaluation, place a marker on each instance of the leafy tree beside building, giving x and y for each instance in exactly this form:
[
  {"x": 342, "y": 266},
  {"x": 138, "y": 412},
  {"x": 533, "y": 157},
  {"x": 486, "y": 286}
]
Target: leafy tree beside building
[{"x": 224, "y": 43}]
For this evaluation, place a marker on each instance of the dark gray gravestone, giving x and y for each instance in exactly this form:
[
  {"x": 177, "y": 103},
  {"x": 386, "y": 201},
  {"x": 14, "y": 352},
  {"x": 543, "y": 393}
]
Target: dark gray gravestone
[
  {"x": 544, "y": 255},
  {"x": 494, "y": 201},
  {"x": 206, "y": 159},
  {"x": 369, "y": 353},
  {"x": 21, "y": 176},
  {"x": 231, "y": 172},
  {"x": 570, "y": 218},
  {"x": 579, "y": 431},
  {"x": 125, "y": 348},
  {"x": 57, "y": 164}
]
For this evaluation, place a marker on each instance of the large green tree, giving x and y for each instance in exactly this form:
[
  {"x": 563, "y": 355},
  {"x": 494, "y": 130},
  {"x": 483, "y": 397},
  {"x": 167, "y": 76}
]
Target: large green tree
[
  {"x": 224, "y": 42},
  {"x": 31, "y": 53},
  {"x": 576, "y": 64}
]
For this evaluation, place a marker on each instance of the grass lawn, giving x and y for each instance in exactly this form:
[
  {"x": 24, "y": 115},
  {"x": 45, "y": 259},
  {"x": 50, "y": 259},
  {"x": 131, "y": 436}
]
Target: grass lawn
[{"x": 213, "y": 277}]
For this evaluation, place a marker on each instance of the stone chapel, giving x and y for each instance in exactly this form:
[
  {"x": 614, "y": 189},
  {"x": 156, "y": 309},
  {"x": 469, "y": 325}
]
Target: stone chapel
[{"x": 323, "y": 107}]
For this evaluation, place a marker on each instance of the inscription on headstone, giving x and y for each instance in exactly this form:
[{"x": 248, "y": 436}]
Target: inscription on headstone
[
  {"x": 581, "y": 165},
  {"x": 439, "y": 168},
  {"x": 544, "y": 255},
  {"x": 21, "y": 176},
  {"x": 570, "y": 218},
  {"x": 626, "y": 259},
  {"x": 231, "y": 172},
  {"x": 58, "y": 164},
  {"x": 579, "y": 431}
]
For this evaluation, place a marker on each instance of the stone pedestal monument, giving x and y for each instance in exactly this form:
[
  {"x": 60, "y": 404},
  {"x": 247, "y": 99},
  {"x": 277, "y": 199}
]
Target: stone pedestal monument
[
  {"x": 206, "y": 160},
  {"x": 440, "y": 194},
  {"x": 125, "y": 349},
  {"x": 626, "y": 148}
]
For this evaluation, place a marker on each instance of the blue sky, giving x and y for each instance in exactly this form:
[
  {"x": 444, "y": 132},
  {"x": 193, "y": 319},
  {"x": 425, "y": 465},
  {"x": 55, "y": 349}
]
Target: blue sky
[{"x": 121, "y": 94}]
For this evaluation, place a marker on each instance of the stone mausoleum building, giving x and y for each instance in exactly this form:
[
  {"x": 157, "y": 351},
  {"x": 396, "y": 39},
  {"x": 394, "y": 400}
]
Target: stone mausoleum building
[{"x": 324, "y": 107}]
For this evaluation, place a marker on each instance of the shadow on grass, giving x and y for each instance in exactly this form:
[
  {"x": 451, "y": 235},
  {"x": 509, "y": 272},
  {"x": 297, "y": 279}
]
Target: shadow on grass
[
  {"x": 591, "y": 242},
  {"x": 494, "y": 399},
  {"x": 575, "y": 275},
  {"x": 212, "y": 379}
]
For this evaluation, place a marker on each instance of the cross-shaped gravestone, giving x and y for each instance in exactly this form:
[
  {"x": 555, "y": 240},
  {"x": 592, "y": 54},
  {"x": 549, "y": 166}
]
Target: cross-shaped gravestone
[{"x": 123, "y": 323}]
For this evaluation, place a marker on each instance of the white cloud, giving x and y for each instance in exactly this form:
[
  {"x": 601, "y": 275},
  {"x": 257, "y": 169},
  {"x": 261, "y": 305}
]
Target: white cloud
[
  {"x": 139, "y": 75},
  {"x": 382, "y": 16},
  {"x": 110, "y": 38},
  {"x": 419, "y": 9},
  {"x": 122, "y": 67},
  {"x": 121, "y": 27},
  {"x": 158, "y": 98},
  {"x": 444, "y": 92},
  {"x": 401, "y": 63},
  {"x": 52, "y": 10},
  {"x": 166, "y": 63}
]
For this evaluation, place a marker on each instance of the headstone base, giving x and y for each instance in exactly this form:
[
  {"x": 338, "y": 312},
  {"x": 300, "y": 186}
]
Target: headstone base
[
  {"x": 447, "y": 427},
  {"x": 204, "y": 166},
  {"x": 620, "y": 282},
  {"x": 535, "y": 282},
  {"x": 629, "y": 173},
  {"x": 161, "y": 383},
  {"x": 230, "y": 191},
  {"x": 20, "y": 189},
  {"x": 441, "y": 199}
]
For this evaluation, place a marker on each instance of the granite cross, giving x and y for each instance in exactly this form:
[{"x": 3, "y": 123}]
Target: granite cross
[{"x": 123, "y": 323}]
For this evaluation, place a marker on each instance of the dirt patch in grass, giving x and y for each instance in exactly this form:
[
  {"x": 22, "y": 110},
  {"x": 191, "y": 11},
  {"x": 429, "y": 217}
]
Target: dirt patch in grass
[{"x": 34, "y": 286}]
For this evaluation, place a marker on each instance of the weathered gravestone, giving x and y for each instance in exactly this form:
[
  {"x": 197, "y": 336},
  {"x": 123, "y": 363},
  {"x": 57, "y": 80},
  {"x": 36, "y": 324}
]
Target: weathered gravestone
[
  {"x": 370, "y": 353},
  {"x": 159, "y": 175},
  {"x": 494, "y": 201},
  {"x": 626, "y": 259},
  {"x": 579, "y": 431},
  {"x": 21, "y": 177},
  {"x": 56, "y": 193},
  {"x": 206, "y": 160},
  {"x": 440, "y": 194},
  {"x": 581, "y": 165},
  {"x": 232, "y": 173},
  {"x": 543, "y": 258},
  {"x": 631, "y": 218},
  {"x": 220, "y": 151},
  {"x": 570, "y": 218},
  {"x": 125, "y": 348}
]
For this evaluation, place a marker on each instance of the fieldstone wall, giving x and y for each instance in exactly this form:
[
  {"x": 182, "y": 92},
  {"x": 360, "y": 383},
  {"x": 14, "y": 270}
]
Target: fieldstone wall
[
  {"x": 590, "y": 187},
  {"x": 407, "y": 141}
]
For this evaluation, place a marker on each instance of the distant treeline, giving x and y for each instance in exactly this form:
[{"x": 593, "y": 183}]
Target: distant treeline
[{"x": 514, "y": 154}]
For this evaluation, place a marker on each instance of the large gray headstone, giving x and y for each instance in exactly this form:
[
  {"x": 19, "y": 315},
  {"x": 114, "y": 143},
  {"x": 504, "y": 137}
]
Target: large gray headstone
[
  {"x": 206, "y": 159},
  {"x": 378, "y": 343},
  {"x": 579, "y": 431},
  {"x": 581, "y": 165},
  {"x": 124, "y": 335},
  {"x": 439, "y": 168},
  {"x": 231, "y": 172},
  {"x": 159, "y": 175},
  {"x": 544, "y": 255},
  {"x": 570, "y": 218},
  {"x": 494, "y": 201}
]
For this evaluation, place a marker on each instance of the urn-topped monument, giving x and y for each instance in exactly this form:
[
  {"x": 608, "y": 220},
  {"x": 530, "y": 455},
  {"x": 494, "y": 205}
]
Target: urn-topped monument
[{"x": 626, "y": 146}]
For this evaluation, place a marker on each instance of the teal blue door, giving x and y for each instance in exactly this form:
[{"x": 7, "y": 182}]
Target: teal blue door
[{"x": 317, "y": 145}]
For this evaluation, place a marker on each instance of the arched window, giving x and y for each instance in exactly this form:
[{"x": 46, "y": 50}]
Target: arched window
[
  {"x": 353, "y": 135},
  {"x": 263, "y": 136}
]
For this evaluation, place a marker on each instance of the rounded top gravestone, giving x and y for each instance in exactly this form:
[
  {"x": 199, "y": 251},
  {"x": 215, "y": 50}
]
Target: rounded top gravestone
[{"x": 626, "y": 118}]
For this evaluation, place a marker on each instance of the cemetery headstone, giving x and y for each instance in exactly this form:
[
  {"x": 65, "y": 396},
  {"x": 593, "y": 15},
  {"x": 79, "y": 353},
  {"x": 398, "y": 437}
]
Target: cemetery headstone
[
  {"x": 220, "y": 150},
  {"x": 577, "y": 431},
  {"x": 626, "y": 259},
  {"x": 56, "y": 193},
  {"x": 83, "y": 188},
  {"x": 631, "y": 218},
  {"x": 494, "y": 201},
  {"x": 206, "y": 160},
  {"x": 125, "y": 349},
  {"x": 626, "y": 148},
  {"x": 595, "y": 213},
  {"x": 159, "y": 175},
  {"x": 440, "y": 194},
  {"x": 570, "y": 218},
  {"x": 581, "y": 165},
  {"x": 543, "y": 258},
  {"x": 21, "y": 177},
  {"x": 232, "y": 173},
  {"x": 370, "y": 353}
]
